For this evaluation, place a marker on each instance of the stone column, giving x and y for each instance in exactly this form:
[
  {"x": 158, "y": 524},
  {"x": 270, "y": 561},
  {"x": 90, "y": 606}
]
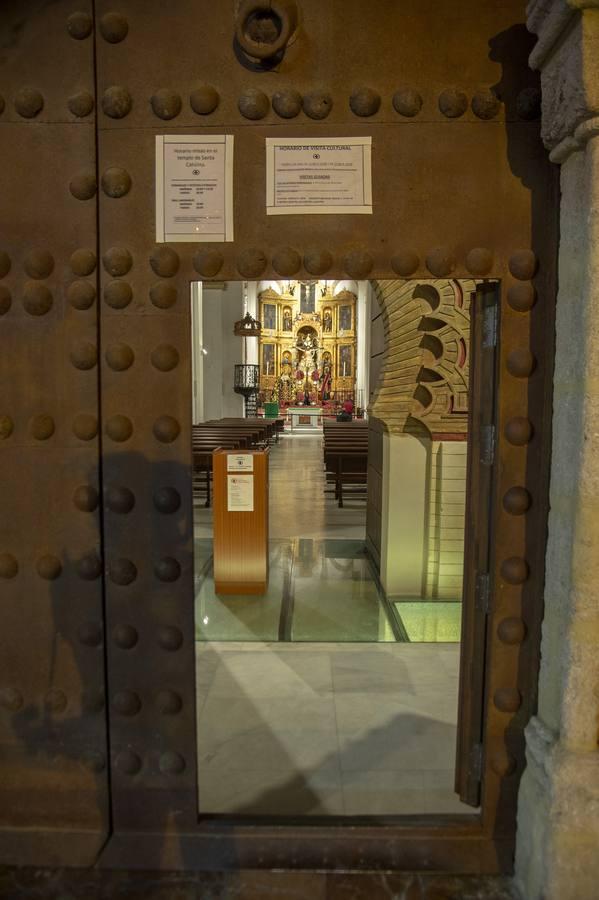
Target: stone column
[{"x": 557, "y": 853}]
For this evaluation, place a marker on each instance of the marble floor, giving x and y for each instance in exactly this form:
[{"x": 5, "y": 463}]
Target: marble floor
[{"x": 313, "y": 700}]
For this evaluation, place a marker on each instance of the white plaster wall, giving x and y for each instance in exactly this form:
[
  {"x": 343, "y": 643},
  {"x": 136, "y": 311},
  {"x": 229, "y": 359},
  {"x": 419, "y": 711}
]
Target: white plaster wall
[{"x": 221, "y": 308}]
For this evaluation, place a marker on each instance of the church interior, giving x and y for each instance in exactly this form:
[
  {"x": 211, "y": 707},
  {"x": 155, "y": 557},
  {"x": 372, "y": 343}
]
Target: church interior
[{"x": 335, "y": 692}]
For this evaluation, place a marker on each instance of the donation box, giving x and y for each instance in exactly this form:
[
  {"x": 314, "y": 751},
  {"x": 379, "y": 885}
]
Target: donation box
[{"x": 240, "y": 504}]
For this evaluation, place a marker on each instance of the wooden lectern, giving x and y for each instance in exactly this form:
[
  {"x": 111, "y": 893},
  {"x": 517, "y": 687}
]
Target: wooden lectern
[{"x": 240, "y": 506}]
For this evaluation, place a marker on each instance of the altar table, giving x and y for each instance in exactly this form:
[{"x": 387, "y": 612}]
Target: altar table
[{"x": 305, "y": 418}]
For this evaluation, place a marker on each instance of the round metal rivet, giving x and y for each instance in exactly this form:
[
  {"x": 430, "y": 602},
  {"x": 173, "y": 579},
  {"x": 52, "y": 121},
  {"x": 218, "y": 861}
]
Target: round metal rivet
[
  {"x": 79, "y": 25},
  {"x": 164, "y": 262},
  {"x": 37, "y": 299},
  {"x": 407, "y": 102},
  {"x": 122, "y": 572},
  {"x": 521, "y": 363},
  {"x": 84, "y": 355},
  {"x": 171, "y": 763},
  {"x": 167, "y": 500},
  {"x": 119, "y": 428},
  {"x": 163, "y": 295},
  {"x": 120, "y": 357},
  {"x": 167, "y": 569},
  {"x": 90, "y": 634},
  {"x": 440, "y": 262},
  {"x": 511, "y": 630},
  {"x": 11, "y": 699},
  {"x": 81, "y": 104},
  {"x": 85, "y": 498},
  {"x": 204, "y": 100},
  {"x": 116, "y": 102},
  {"x": 83, "y": 262},
  {"x": 42, "y": 427},
  {"x": 117, "y": 261},
  {"x": 170, "y": 638},
  {"x": 517, "y": 501},
  {"x": 9, "y": 566},
  {"x": 55, "y": 701},
  {"x": 523, "y": 264},
  {"x": 81, "y": 294},
  {"x": 317, "y": 262},
  {"x": 165, "y": 358},
  {"x": 83, "y": 186},
  {"x": 253, "y": 104},
  {"x": 6, "y": 427},
  {"x": 113, "y": 27},
  {"x": 29, "y": 102},
  {"x": 453, "y": 103},
  {"x": 502, "y": 764},
  {"x": 514, "y": 570},
  {"x": 405, "y": 262},
  {"x": 507, "y": 699},
  {"x": 49, "y": 567},
  {"x": 5, "y": 300},
  {"x": 128, "y": 762},
  {"x": 479, "y": 262},
  {"x": 39, "y": 264},
  {"x": 116, "y": 182},
  {"x": 485, "y": 104},
  {"x": 4, "y": 264},
  {"x": 85, "y": 427},
  {"x": 126, "y": 703},
  {"x": 118, "y": 294},
  {"x": 287, "y": 104},
  {"x": 166, "y": 429},
  {"x": 364, "y": 102},
  {"x": 528, "y": 104},
  {"x": 518, "y": 431},
  {"x": 251, "y": 263},
  {"x": 169, "y": 703},
  {"x": 120, "y": 499},
  {"x": 318, "y": 104},
  {"x": 208, "y": 262},
  {"x": 358, "y": 263},
  {"x": 286, "y": 261},
  {"x": 89, "y": 567},
  {"x": 125, "y": 636},
  {"x": 522, "y": 297},
  {"x": 166, "y": 104}
]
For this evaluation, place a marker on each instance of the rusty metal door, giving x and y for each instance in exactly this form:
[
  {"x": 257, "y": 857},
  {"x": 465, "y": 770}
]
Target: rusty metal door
[{"x": 461, "y": 187}]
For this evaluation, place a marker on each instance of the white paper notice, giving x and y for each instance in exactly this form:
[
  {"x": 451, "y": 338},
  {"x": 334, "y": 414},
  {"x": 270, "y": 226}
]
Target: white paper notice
[
  {"x": 240, "y": 462},
  {"x": 321, "y": 175},
  {"x": 240, "y": 493},
  {"x": 194, "y": 188}
]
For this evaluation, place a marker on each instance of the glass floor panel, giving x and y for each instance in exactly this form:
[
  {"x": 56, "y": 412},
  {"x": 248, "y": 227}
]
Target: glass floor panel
[
  {"x": 430, "y": 621},
  {"x": 318, "y": 590},
  {"x": 243, "y": 618}
]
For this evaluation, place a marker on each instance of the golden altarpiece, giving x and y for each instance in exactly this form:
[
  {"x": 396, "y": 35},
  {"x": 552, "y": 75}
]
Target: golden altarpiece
[{"x": 308, "y": 344}]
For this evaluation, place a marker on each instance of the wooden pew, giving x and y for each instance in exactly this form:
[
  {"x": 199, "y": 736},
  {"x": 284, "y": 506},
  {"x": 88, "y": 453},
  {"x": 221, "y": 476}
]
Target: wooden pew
[{"x": 345, "y": 451}]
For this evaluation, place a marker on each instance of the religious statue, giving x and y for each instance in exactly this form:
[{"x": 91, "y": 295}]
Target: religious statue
[
  {"x": 325, "y": 382},
  {"x": 327, "y": 322},
  {"x": 287, "y": 322}
]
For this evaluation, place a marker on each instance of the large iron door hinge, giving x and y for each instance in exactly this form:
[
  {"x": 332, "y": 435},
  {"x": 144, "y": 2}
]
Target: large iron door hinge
[
  {"x": 483, "y": 592},
  {"x": 487, "y": 445}
]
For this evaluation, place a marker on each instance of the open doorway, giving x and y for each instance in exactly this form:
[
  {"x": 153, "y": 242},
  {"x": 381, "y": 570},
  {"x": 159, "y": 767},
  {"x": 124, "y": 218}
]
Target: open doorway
[{"x": 336, "y": 692}]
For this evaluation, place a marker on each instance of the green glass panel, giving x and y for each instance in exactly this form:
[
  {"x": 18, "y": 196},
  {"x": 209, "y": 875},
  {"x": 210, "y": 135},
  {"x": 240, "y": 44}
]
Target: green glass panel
[{"x": 433, "y": 621}]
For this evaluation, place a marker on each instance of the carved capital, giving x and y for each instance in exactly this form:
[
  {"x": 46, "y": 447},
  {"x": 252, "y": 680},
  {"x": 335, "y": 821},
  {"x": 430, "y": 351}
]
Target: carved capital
[{"x": 567, "y": 53}]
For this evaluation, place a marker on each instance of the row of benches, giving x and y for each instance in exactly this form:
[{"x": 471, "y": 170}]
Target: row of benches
[
  {"x": 230, "y": 434},
  {"x": 345, "y": 450}
]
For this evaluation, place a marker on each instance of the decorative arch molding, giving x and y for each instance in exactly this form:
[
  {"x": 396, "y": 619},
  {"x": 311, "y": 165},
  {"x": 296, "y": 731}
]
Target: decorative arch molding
[{"x": 423, "y": 385}]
